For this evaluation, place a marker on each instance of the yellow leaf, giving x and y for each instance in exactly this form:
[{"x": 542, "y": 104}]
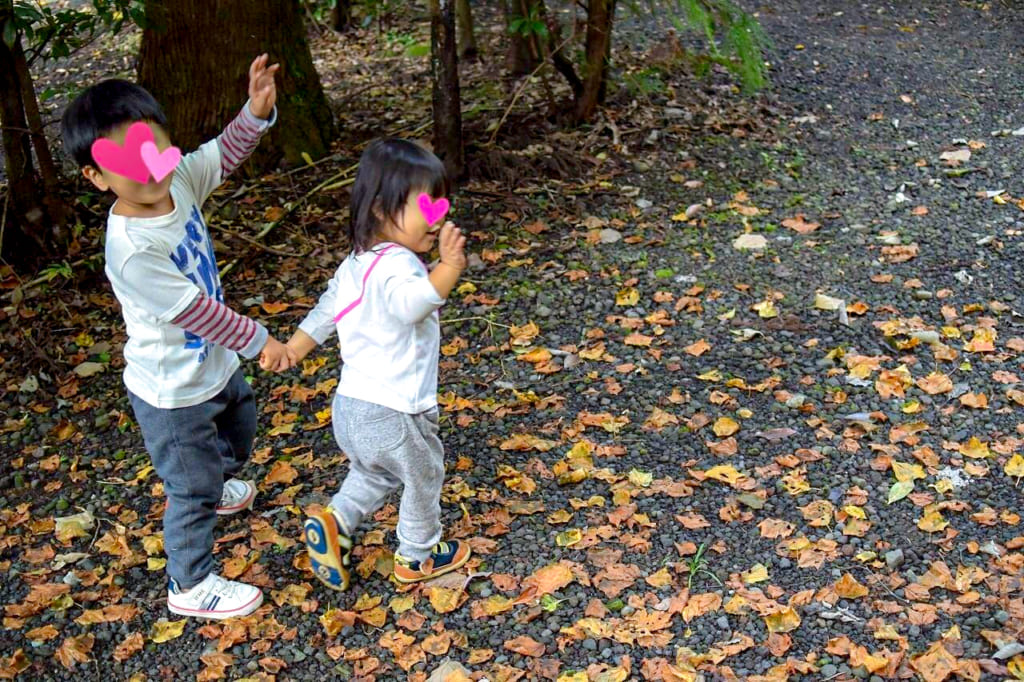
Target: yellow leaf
[
  {"x": 725, "y": 426},
  {"x": 1015, "y": 466},
  {"x": 578, "y": 676},
  {"x": 165, "y": 631},
  {"x": 445, "y": 600},
  {"x": 758, "y": 573},
  {"x": 568, "y": 538},
  {"x": 1016, "y": 667},
  {"x": 724, "y": 473},
  {"x": 785, "y": 620},
  {"x": 154, "y": 563},
  {"x": 932, "y": 522},
  {"x": 641, "y": 479},
  {"x": 660, "y": 578},
  {"x": 711, "y": 375},
  {"x": 907, "y": 472},
  {"x": 402, "y": 603},
  {"x": 628, "y": 296},
  {"x": 975, "y": 448},
  {"x": 855, "y": 511},
  {"x": 765, "y": 309}
]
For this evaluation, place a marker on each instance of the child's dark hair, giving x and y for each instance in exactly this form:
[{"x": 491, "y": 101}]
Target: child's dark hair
[
  {"x": 102, "y": 108},
  {"x": 389, "y": 170}
]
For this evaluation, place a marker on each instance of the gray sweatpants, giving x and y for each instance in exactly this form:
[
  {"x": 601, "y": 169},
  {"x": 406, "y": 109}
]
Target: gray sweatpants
[{"x": 387, "y": 450}]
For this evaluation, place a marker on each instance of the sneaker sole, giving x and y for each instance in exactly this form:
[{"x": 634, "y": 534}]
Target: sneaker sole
[
  {"x": 218, "y": 615},
  {"x": 440, "y": 572},
  {"x": 323, "y": 545}
]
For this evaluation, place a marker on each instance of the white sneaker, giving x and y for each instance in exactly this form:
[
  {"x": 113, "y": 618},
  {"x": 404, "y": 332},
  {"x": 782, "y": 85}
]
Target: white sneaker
[
  {"x": 214, "y": 597},
  {"x": 237, "y": 495}
]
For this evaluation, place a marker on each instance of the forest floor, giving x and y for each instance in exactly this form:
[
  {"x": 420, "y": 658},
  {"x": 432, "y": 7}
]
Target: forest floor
[{"x": 732, "y": 389}]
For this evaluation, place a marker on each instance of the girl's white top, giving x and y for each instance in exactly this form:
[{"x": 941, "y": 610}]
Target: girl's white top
[{"x": 389, "y": 334}]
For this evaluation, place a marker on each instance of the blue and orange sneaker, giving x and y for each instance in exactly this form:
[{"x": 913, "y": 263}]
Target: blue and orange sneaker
[
  {"x": 444, "y": 558},
  {"x": 329, "y": 548}
]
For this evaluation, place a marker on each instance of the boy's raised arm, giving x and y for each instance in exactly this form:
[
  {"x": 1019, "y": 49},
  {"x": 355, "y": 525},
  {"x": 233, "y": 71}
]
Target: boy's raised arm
[{"x": 240, "y": 137}]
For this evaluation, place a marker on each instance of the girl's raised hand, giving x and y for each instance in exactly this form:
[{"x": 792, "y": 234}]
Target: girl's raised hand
[
  {"x": 452, "y": 245},
  {"x": 262, "y": 89}
]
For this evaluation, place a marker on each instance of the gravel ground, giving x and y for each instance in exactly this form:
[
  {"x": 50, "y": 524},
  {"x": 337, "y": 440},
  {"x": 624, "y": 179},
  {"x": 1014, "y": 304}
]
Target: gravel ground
[{"x": 682, "y": 461}]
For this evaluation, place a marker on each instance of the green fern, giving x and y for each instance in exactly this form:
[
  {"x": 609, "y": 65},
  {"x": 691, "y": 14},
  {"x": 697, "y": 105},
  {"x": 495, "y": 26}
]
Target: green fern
[{"x": 734, "y": 38}]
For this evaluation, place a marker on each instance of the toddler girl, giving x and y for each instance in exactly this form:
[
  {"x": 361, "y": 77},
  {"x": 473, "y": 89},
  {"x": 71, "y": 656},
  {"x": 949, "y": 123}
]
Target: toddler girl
[{"x": 383, "y": 304}]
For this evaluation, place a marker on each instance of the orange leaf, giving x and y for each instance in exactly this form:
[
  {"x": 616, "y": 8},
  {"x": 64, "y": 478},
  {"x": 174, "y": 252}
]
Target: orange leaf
[
  {"x": 936, "y": 664},
  {"x": 550, "y": 578},
  {"x": 935, "y": 383},
  {"x": 978, "y": 401},
  {"x": 697, "y": 349},
  {"x": 800, "y": 224},
  {"x": 274, "y": 308},
  {"x": 847, "y": 587},
  {"x": 129, "y": 647},
  {"x": 526, "y": 646},
  {"x": 281, "y": 472}
]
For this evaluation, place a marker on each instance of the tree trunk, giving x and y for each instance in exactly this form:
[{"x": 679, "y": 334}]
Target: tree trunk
[
  {"x": 56, "y": 208},
  {"x": 447, "y": 102},
  {"x": 600, "y": 15},
  {"x": 519, "y": 59},
  {"x": 341, "y": 15},
  {"x": 467, "y": 36},
  {"x": 195, "y": 58},
  {"x": 27, "y": 235}
]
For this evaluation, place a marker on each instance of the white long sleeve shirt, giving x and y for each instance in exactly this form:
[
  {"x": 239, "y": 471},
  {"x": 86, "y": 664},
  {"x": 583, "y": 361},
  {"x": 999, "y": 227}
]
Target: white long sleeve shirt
[
  {"x": 159, "y": 267},
  {"x": 384, "y": 309}
]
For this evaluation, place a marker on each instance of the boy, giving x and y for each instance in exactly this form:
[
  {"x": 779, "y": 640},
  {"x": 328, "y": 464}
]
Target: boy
[{"x": 196, "y": 411}]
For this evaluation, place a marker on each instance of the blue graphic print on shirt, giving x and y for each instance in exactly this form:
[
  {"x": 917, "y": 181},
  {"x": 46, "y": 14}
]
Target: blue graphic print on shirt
[{"x": 194, "y": 258}]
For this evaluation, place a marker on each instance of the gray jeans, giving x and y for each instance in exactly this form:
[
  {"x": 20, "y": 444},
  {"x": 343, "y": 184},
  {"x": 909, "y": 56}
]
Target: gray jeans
[
  {"x": 194, "y": 450},
  {"x": 387, "y": 450}
]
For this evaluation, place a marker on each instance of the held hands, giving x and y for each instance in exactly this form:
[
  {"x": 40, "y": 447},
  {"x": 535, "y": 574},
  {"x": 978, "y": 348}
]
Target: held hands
[
  {"x": 262, "y": 89},
  {"x": 275, "y": 356},
  {"x": 452, "y": 245}
]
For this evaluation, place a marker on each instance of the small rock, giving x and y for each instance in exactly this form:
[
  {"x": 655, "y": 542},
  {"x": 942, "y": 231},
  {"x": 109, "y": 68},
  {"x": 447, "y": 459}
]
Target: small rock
[
  {"x": 894, "y": 559},
  {"x": 610, "y": 236},
  {"x": 828, "y": 670}
]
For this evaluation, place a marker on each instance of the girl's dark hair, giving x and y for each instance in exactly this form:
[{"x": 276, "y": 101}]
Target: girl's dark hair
[
  {"x": 101, "y": 108},
  {"x": 389, "y": 170}
]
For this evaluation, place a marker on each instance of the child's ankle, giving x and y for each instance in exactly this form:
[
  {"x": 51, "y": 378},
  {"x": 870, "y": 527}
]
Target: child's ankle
[{"x": 341, "y": 522}]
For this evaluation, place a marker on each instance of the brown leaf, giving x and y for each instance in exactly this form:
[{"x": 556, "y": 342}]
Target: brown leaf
[
  {"x": 800, "y": 224},
  {"x": 526, "y": 646},
  {"x": 75, "y": 650},
  {"x": 131, "y": 645}
]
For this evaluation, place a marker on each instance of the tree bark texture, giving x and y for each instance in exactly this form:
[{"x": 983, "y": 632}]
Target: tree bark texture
[
  {"x": 447, "y": 101},
  {"x": 519, "y": 59},
  {"x": 467, "y": 36},
  {"x": 600, "y": 15},
  {"x": 29, "y": 227},
  {"x": 195, "y": 58},
  {"x": 341, "y": 15}
]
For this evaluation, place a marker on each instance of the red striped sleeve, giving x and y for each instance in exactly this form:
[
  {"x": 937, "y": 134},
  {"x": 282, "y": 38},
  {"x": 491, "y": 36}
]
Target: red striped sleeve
[{"x": 217, "y": 323}]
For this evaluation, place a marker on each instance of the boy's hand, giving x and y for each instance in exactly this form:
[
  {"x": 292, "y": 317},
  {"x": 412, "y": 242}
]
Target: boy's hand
[
  {"x": 262, "y": 89},
  {"x": 274, "y": 357},
  {"x": 452, "y": 245}
]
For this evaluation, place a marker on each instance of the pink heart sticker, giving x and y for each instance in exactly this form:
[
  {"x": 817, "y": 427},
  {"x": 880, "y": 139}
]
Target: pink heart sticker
[
  {"x": 432, "y": 210},
  {"x": 160, "y": 163},
  {"x": 125, "y": 160}
]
